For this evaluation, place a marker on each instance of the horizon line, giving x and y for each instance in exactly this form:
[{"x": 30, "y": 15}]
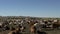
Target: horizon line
[{"x": 31, "y": 16}]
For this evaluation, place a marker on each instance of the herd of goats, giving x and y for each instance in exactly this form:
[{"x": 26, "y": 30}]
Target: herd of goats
[{"x": 31, "y": 26}]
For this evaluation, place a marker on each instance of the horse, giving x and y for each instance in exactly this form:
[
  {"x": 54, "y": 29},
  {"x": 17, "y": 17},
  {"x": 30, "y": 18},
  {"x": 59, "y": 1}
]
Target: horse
[
  {"x": 15, "y": 31},
  {"x": 32, "y": 28}
]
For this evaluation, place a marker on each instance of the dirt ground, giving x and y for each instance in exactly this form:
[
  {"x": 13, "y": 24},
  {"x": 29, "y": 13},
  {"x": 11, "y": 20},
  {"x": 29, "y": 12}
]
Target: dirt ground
[{"x": 48, "y": 32}]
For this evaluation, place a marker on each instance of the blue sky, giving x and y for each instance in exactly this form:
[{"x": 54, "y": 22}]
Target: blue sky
[{"x": 37, "y": 8}]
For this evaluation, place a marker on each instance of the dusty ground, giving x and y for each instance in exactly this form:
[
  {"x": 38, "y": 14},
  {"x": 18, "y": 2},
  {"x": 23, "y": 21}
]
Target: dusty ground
[{"x": 49, "y": 32}]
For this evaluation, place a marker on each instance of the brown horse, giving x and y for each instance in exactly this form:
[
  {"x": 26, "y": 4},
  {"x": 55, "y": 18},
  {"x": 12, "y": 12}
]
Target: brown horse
[
  {"x": 15, "y": 31},
  {"x": 12, "y": 32},
  {"x": 32, "y": 28}
]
